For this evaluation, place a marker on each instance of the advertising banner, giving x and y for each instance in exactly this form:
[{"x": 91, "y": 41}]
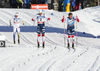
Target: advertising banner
[{"x": 39, "y": 6}]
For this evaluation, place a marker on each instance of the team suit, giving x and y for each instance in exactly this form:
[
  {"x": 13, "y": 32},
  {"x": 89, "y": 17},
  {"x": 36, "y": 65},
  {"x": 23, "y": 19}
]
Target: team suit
[
  {"x": 16, "y": 27},
  {"x": 40, "y": 26},
  {"x": 70, "y": 28}
]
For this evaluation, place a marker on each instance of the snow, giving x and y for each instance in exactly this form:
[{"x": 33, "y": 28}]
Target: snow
[{"x": 55, "y": 57}]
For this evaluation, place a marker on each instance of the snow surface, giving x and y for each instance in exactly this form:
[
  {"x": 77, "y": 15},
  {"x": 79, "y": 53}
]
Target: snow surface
[{"x": 55, "y": 57}]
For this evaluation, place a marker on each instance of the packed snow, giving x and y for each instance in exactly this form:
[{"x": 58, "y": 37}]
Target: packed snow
[{"x": 55, "y": 57}]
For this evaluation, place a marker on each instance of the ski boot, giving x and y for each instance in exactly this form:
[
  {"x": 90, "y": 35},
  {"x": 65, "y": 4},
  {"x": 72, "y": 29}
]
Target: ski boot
[
  {"x": 73, "y": 45},
  {"x": 14, "y": 42},
  {"x": 38, "y": 45},
  {"x": 18, "y": 38},
  {"x": 68, "y": 46},
  {"x": 18, "y": 41},
  {"x": 43, "y": 45}
]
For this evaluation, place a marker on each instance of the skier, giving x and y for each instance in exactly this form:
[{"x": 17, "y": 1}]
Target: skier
[
  {"x": 41, "y": 18},
  {"x": 16, "y": 26},
  {"x": 70, "y": 28}
]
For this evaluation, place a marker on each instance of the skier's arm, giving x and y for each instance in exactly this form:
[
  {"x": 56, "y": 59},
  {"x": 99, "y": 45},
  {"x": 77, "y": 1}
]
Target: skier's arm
[
  {"x": 47, "y": 17},
  {"x": 34, "y": 18}
]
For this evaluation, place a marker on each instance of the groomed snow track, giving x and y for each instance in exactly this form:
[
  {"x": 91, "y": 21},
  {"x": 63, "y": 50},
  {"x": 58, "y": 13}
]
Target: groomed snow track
[{"x": 55, "y": 57}]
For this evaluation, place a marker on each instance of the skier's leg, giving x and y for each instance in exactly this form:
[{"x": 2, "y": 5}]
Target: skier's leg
[
  {"x": 18, "y": 31},
  {"x": 43, "y": 40},
  {"x": 14, "y": 33},
  {"x": 38, "y": 38},
  {"x": 73, "y": 41},
  {"x": 43, "y": 35},
  {"x": 68, "y": 40},
  {"x": 72, "y": 33}
]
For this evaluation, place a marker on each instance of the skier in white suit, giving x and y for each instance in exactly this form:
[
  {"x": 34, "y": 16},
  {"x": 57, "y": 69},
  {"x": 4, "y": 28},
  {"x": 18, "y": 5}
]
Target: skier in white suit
[
  {"x": 16, "y": 26},
  {"x": 41, "y": 18}
]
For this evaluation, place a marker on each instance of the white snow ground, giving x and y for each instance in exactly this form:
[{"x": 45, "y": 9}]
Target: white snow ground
[{"x": 26, "y": 57}]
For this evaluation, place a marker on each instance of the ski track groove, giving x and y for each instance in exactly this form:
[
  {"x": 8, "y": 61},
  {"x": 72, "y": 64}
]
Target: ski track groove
[
  {"x": 52, "y": 41},
  {"x": 54, "y": 60},
  {"x": 98, "y": 57},
  {"x": 41, "y": 52},
  {"x": 3, "y": 23},
  {"x": 70, "y": 64},
  {"x": 27, "y": 39},
  {"x": 48, "y": 62}
]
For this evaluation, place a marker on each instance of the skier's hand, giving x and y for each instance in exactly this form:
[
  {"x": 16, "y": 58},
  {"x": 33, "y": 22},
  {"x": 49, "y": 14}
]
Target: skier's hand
[
  {"x": 10, "y": 22},
  {"x": 23, "y": 22},
  {"x": 32, "y": 19},
  {"x": 77, "y": 19},
  {"x": 48, "y": 18},
  {"x": 63, "y": 20}
]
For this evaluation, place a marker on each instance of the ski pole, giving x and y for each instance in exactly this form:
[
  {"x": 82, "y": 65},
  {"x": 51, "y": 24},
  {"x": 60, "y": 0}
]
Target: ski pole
[
  {"x": 64, "y": 32},
  {"x": 64, "y": 36},
  {"x": 76, "y": 34}
]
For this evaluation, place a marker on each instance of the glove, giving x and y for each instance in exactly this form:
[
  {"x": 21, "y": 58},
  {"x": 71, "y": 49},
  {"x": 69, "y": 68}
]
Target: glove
[
  {"x": 77, "y": 19},
  {"x": 48, "y": 18},
  {"x": 10, "y": 22},
  {"x": 32, "y": 19},
  {"x": 63, "y": 20},
  {"x": 23, "y": 22}
]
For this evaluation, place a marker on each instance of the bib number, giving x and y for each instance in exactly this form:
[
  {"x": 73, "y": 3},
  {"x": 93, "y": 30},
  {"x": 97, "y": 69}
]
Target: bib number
[{"x": 40, "y": 19}]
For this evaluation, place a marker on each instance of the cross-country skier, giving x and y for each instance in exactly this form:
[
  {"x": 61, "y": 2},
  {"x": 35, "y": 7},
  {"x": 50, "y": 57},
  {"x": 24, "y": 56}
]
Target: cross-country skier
[
  {"x": 70, "y": 28},
  {"x": 41, "y": 18},
  {"x": 16, "y": 26}
]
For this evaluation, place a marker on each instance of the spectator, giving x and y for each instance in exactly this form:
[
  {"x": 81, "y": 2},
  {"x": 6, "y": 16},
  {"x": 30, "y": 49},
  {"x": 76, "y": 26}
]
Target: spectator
[
  {"x": 27, "y": 3},
  {"x": 73, "y": 5},
  {"x": 13, "y": 3},
  {"x": 19, "y": 3},
  {"x": 96, "y": 3},
  {"x": 60, "y": 8},
  {"x": 80, "y": 7},
  {"x": 82, "y": 4},
  {"x": 77, "y": 4}
]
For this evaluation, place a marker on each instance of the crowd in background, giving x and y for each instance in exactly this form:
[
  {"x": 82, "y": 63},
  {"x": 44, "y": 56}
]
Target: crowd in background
[
  {"x": 74, "y": 4},
  {"x": 77, "y": 4},
  {"x": 25, "y": 3}
]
